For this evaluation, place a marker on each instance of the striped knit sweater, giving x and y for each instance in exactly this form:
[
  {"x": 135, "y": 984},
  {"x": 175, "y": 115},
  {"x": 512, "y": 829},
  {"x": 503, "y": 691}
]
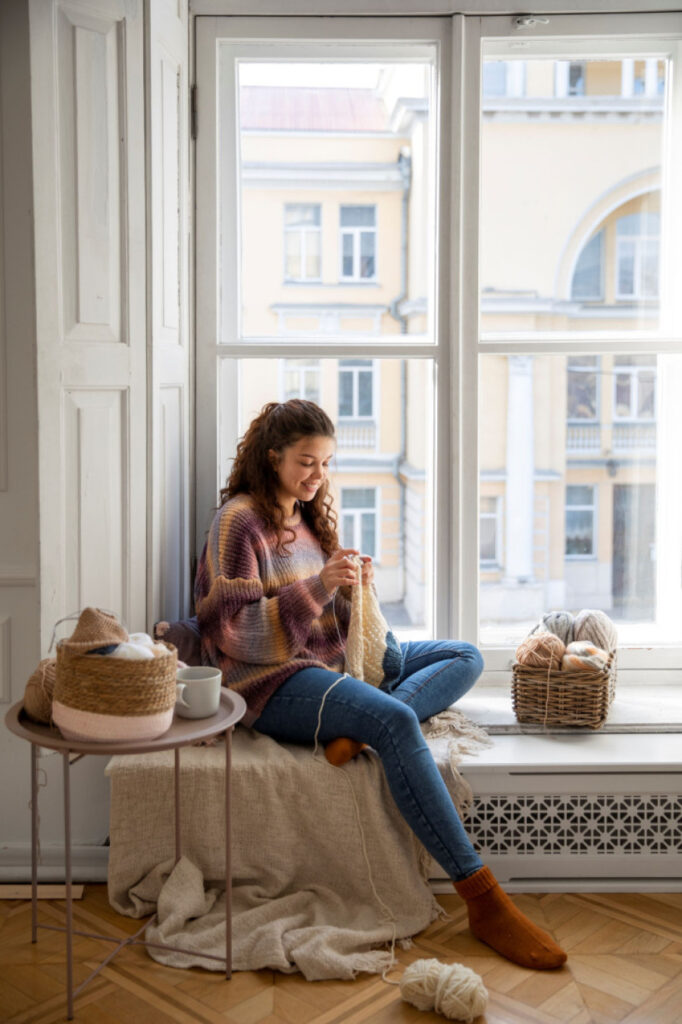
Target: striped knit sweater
[{"x": 264, "y": 615}]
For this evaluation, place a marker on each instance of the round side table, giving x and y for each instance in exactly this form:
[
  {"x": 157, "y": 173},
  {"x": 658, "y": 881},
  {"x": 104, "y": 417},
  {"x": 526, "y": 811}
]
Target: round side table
[{"x": 183, "y": 732}]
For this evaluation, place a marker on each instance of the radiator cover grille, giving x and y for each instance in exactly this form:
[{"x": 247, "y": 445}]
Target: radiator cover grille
[{"x": 603, "y": 824}]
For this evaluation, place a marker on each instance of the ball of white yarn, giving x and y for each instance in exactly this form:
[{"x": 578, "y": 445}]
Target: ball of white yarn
[
  {"x": 451, "y": 989},
  {"x": 141, "y": 638},
  {"x": 133, "y": 652},
  {"x": 595, "y": 626}
]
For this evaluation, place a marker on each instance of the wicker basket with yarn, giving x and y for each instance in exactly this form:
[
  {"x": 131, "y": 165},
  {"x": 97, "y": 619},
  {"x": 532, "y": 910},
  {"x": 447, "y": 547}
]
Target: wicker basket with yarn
[
  {"x": 107, "y": 698},
  {"x": 545, "y": 694}
]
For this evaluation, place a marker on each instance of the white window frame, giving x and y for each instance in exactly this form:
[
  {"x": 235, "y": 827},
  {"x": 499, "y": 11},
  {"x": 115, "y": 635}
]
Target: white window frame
[
  {"x": 594, "y": 509},
  {"x": 355, "y": 513},
  {"x": 304, "y": 232},
  {"x": 310, "y": 364},
  {"x": 355, "y": 233},
  {"x": 356, "y": 371},
  {"x": 455, "y": 343}
]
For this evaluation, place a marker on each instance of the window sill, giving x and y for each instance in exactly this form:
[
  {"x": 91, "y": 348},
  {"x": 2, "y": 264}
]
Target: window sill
[{"x": 641, "y": 734}]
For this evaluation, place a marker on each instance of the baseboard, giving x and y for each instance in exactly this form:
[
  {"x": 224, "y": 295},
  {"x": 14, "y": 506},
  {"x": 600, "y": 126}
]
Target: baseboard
[{"x": 88, "y": 863}]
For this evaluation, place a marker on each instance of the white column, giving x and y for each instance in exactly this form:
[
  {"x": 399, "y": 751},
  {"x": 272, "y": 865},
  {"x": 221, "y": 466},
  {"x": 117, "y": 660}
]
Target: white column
[
  {"x": 627, "y": 77},
  {"x": 520, "y": 469},
  {"x": 561, "y": 78},
  {"x": 651, "y": 77},
  {"x": 516, "y": 77}
]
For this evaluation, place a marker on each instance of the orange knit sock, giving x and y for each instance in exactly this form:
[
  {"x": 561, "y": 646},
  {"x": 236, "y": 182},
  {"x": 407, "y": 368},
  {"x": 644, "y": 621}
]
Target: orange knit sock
[
  {"x": 495, "y": 920},
  {"x": 342, "y": 750}
]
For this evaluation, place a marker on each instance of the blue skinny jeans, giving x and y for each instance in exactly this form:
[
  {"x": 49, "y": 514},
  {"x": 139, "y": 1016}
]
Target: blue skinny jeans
[{"x": 436, "y": 673}]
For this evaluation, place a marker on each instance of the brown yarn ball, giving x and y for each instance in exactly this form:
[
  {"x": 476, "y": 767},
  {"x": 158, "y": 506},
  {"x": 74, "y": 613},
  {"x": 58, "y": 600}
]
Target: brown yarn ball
[
  {"x": 541, "y": 650},
  {"x": 40, "y": 690}
]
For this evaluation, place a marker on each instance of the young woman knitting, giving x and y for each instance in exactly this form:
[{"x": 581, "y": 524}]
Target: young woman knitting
[{"x": 272, "y": 597}]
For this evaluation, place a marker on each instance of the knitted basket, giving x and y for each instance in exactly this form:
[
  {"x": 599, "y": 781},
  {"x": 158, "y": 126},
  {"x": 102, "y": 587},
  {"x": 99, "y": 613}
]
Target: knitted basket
[
  {"x": 110, "y": 699},
  {"x": 578, "y": 698}
]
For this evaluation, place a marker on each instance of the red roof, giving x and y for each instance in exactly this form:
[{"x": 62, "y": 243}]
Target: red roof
[{"x": 299, "y": 108}]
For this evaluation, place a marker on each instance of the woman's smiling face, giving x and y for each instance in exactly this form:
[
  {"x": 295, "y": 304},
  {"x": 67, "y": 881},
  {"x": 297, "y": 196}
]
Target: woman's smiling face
[{"x": 301, "y": 469}]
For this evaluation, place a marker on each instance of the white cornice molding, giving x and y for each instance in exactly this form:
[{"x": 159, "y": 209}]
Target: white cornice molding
[
  {"x": 379, "y": 177},
  {"x": 420, "y": 8}
]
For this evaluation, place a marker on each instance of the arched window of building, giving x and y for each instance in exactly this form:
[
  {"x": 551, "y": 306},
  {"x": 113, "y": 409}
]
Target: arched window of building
[{"x": 588, "y": 276}]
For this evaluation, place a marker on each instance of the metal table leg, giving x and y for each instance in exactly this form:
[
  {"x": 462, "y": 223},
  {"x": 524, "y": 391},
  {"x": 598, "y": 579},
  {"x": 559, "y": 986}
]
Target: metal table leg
[
  {"x": 34, "y": 843},
  {"x": 228, "y": 858},
  {"x": 178, "y": 837},
  {"x": 67, "y": 871}
]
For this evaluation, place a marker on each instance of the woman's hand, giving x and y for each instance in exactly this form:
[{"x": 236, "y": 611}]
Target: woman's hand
[
  {"x": 339, "y": 570},
  {"x": 367, "y": 570}
]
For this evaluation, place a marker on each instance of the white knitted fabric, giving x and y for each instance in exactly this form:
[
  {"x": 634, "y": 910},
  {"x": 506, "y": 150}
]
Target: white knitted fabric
[{"x": 370, "y": 638}]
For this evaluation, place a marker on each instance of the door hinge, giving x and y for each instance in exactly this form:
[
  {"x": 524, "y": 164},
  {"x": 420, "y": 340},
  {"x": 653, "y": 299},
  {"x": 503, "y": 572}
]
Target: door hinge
[{"x": 193, "y": 111}]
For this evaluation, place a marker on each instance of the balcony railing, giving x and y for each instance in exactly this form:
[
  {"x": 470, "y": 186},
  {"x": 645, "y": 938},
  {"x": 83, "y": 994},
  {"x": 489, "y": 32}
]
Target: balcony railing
[
  {"x": 356, "y": 433},
  {"x": 598, "y": 437}
]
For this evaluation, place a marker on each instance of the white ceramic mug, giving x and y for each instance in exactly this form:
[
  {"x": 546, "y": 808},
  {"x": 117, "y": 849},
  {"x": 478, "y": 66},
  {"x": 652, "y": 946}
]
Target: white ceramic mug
[{"x": 198, "y": 691}]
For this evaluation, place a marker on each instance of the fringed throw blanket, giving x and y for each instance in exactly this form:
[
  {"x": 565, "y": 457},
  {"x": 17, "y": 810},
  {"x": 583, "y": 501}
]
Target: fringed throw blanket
[{"x": 307, "y": 894}]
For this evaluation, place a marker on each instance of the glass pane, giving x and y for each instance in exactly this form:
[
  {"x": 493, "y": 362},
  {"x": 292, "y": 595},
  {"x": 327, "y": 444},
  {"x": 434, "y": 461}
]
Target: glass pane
[
  {"x": 488, "y": 534},
  {"x": 292, "y": 242},
  {"x": 345, "y": 394},
  {"x": 312, "y": 391},
  {"x": 563, "y": 245},
  {"x": 367, "y": 246},
  {"x": 365, "y": 393},
  {"x": 333, "y": 132},
  {"x": 581, "y": 386},
  {"x": 357, "y": 216},
  {"x": 358, "y": 497},
  {"x": 312, "y": 254},
  {"x": 381, "y": 476},
  {"x": 494, "y": 78},
  {"x": 368, "y": 543},
  {"x": 590, "y": 514},
  {"x": 579, "y": 532},
  {"x": 576, "y": 495}
]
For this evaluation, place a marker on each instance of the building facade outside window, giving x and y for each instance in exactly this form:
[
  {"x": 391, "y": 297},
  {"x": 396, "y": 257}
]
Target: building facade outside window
[
  {"x": 358, "y": 229},
  {"x": 588, "y": 277},
  {"x": 302, "y": 242},
  {"x": 359, "y": 519}
]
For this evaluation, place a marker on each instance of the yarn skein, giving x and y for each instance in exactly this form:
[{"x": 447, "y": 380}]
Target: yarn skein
[
  {"x": 581, "y": 655},
  {"x": 541, "y": 650},
  {"x": 559, "y": 623},
  {"x": 40, "y": 691},
  {"x": 453, "y": 990},
  {"x": 596, "y": 627}
]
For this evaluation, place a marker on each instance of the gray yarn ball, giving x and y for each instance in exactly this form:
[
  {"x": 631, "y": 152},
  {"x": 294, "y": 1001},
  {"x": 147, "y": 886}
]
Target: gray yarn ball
[
  {"x": 595, "y": 626},
  {"x": 559, "y": 623}
]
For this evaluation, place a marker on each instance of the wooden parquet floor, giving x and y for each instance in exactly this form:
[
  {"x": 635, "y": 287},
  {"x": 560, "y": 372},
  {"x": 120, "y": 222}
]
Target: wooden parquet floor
[{"x": 625, "y": 966}]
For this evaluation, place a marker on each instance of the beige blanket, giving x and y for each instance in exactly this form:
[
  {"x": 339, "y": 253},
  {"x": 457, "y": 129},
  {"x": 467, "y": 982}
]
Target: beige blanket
[{"x": 325, "y": 870}]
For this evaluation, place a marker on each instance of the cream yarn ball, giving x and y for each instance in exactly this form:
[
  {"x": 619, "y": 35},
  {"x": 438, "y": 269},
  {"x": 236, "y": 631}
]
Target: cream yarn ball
[
  {"x": 559, "y": 623},
  {"x": 596, "y": 627},
  {"x": 451, "y": 989}
]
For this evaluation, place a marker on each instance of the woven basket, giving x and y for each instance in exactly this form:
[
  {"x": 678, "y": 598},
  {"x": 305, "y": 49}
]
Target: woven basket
[
  {"x": 577, "y": 698},
  {"x": 110, "y": 699}
]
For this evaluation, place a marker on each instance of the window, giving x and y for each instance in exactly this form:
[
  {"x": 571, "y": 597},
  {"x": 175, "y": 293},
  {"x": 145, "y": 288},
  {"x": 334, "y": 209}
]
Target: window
[
  {"x": 588, "y": 276},
  {"x": 634, "y": 382},
  {"x": 489, "y": 531},
  {"x": 579, "y": 521},
  {"x": 637, "y": 238},
  {"x": 359, "y": 519},
  {"x": 463, "y": 349},
  {"x": 495, "y": 78},
  {"x": 581, "y": 387},
  {"x": 356, "y": 386},
  {"x": 302, "y": 242},
  {"x": 358, "y": 243},
  {"x": 300, "y": 379}
]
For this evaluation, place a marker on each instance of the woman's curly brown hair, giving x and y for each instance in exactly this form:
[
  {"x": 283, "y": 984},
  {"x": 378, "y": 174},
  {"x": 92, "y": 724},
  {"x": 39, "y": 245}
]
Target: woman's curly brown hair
[{"x": 277, "y": 426}]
